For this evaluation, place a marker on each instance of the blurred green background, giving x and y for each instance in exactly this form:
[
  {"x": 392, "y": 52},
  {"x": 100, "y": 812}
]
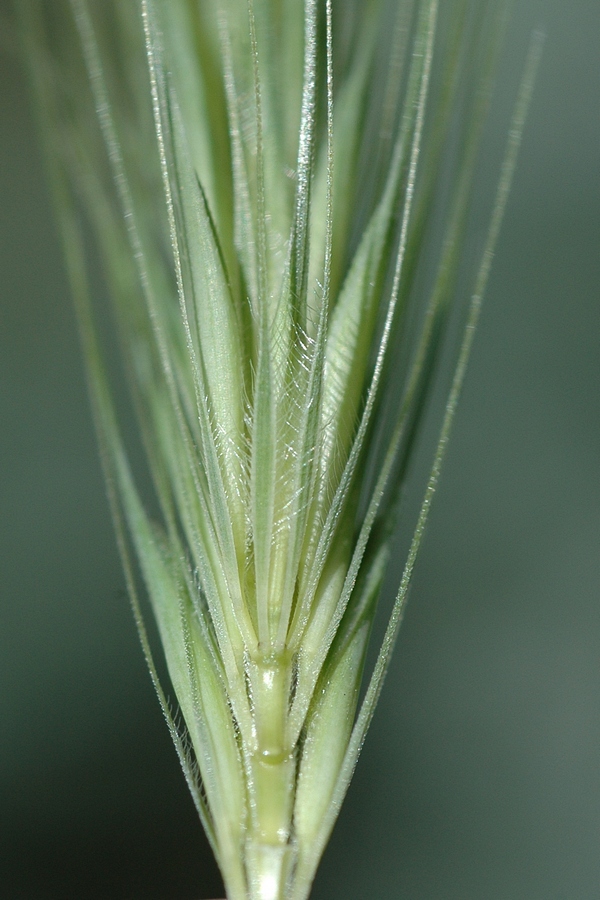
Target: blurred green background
[{"x": 480, "y": 779}]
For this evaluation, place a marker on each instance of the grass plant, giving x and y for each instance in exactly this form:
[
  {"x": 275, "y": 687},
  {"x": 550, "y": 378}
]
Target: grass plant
[{"x": 279, "y": 194}]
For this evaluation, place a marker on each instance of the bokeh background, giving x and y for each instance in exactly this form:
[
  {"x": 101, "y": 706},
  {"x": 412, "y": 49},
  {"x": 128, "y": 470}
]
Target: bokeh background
[{"x": 480, "y": 779}]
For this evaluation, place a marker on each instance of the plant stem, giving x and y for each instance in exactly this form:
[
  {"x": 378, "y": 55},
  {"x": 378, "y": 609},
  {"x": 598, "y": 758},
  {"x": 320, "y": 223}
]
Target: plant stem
[{"x": 269, "y": 847}]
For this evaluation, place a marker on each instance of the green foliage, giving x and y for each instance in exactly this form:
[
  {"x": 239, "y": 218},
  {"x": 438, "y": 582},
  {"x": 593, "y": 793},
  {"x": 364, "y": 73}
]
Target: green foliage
[{"x": 279, "y": 193}]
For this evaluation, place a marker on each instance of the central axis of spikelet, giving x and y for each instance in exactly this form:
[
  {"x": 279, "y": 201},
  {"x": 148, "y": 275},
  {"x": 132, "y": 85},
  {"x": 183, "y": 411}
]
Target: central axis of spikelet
[{"x": 269, "y": 848}]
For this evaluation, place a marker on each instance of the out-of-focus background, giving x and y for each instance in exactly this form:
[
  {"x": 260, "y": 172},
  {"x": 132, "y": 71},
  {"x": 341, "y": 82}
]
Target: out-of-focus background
[{"x": 480, "y": 779}]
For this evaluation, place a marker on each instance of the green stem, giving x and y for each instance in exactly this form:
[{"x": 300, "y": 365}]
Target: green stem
[{"x": 272, "y": 774}]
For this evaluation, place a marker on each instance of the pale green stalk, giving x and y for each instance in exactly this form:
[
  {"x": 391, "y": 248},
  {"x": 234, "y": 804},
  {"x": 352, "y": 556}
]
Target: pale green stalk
[{"x": 277, "y": 214}]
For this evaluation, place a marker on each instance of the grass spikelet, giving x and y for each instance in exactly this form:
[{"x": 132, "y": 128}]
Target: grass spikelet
[{"x": 279, "y": 194}]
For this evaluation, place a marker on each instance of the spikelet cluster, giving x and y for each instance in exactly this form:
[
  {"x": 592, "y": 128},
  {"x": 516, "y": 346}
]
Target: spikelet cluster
[{"x": 278, "y": 191}]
